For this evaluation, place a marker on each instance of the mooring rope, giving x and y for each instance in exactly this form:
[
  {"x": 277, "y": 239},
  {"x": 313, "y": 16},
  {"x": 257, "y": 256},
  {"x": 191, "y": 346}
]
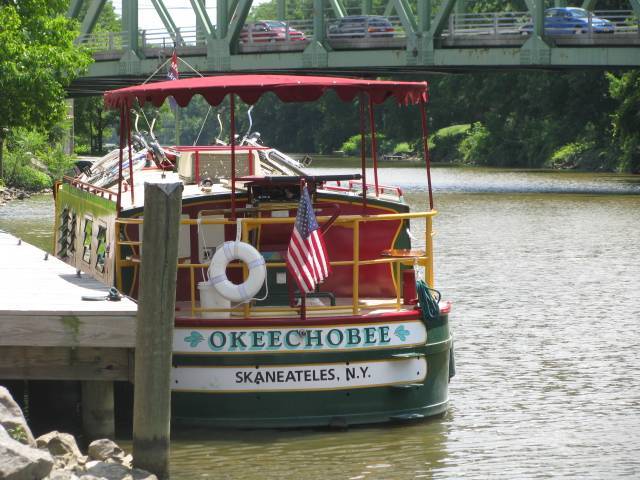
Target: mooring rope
[{"x": 428, "y": 301}]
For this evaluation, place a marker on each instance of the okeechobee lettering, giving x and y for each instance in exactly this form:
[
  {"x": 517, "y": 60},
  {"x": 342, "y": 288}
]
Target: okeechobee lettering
[
  {"x": 292, "y": 339},
  {"x": 231, "y": 340}
]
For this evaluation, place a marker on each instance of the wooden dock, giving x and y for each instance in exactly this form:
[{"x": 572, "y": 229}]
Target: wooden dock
[{"x": 48, "y": 332}]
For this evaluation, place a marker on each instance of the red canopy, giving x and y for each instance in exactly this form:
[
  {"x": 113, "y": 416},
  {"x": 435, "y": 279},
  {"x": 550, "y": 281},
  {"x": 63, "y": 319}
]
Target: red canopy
[{"x": 289, "y": 88}]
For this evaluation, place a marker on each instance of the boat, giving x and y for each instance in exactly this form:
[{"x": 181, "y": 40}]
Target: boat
[{"x": 368, "y": 342}]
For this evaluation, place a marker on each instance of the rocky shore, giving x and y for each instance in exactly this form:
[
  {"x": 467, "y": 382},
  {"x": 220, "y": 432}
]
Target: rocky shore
[
  {"x": 8, "y": 193},
  {"x": 55, "y": 455}
]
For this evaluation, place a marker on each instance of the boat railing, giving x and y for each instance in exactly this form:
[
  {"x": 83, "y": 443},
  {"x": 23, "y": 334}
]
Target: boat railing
[
  {"x": 87, "y": 187},
  {"x": 395, "y": 258},
  {"x": 356, "y": 186}
]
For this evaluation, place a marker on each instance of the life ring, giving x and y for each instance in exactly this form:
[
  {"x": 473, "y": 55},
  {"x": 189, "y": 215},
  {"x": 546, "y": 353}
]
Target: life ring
[{"x": 226, "y": 253}]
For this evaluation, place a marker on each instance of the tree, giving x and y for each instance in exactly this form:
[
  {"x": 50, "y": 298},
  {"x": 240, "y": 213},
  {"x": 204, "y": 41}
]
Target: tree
[
  {"x": 37, "y": 61},
  {"x": 625, "y": 89}
]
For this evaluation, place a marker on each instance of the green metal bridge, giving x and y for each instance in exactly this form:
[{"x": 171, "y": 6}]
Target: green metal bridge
[{"x": 424, "y": 39}]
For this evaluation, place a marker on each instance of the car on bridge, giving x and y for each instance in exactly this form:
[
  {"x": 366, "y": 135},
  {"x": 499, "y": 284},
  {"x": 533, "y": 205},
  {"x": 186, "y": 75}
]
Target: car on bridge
[
  {"x": 270, "y": 31},
  {"x": 361, "y": 26},
  {"x": 570, "y": 21}
]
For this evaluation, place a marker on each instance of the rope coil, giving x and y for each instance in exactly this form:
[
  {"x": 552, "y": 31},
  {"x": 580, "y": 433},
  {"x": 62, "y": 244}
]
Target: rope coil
[{"x": 428, "y": 301}]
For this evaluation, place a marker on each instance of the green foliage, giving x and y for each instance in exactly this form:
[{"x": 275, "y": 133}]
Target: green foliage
[
  {"x": 625, "y": 88},
  {"x": 443, "y": 145},
  {"x": 18, "y": 433},
  {"x": 30, "y": 179},
  {"x": 402, "y": 147},
  {"x": 475, "y": 148},
  {"x": 58, "y": 163},
  {"x": 81, "y": 148},
  {"x": 38, "y": 60},
  {"x": 351, "y": 146},
  {"x": 31, "y": 162},
  {"x": 569, "y": 155}
]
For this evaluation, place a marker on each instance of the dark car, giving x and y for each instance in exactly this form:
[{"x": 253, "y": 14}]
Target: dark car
[
  {"x": 360, "y": 26},
  {"x": 269, "y": 31},
  {"x": 569, "y": 21}
]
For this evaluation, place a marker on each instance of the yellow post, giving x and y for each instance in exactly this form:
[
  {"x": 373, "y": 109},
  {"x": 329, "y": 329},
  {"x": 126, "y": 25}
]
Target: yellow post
[
  {"x": 356, "y": 266},
  {"x": 118, "y": 259},
  {"x": 429, "y": 248},
  {"x": 245, "y": 271}
]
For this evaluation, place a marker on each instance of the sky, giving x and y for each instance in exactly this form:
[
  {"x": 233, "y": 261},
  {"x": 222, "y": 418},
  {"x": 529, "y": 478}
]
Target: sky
[{"x": 180, "y": 11}]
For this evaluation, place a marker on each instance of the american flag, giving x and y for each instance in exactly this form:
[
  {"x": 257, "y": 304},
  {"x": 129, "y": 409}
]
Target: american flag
[
  {"x": 307, "y": 259},
  {"x": 172, "y": 74}
]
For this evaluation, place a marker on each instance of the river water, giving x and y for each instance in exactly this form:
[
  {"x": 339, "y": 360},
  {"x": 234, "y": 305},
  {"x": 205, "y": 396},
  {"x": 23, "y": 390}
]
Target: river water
[{"x": 544, "y": 273}]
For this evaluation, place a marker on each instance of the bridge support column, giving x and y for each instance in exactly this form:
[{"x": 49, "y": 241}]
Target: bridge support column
[
  {"x": 222, "y": 22},
  {"x": 281, "y": 9},
  {"x": 428, "y": 30},
  {"x": 130, "y": 24},
  {"x": 536, "y": 50},
  {"x": 424, "y": 16},
  {"x": 315, "y": 55},
  {"x": 367, "y": 7}
]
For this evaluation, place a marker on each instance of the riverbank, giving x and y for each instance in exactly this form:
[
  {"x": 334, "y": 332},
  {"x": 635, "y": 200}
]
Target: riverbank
[
  {"x": 56, "y": 455},
  {"x": 7, "y": 194}
]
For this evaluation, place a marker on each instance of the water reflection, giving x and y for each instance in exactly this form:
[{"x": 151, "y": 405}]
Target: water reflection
[{"x": 407, "y": 451}]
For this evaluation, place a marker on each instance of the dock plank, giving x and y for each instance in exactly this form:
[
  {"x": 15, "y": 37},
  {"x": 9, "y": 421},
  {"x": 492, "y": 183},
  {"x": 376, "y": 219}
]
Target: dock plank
[{"x": 31, "y": 284}]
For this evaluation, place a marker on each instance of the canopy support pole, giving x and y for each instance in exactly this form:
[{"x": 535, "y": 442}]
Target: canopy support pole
[
  {"x": 425, "y": 141},
  {"x": 374, "y": 144},
  {"x": 120, "y": 158},
  {"x": 232, "y": 140},
  {"x": 363, "y": 148},
  {"x": 128, "y": 127}
]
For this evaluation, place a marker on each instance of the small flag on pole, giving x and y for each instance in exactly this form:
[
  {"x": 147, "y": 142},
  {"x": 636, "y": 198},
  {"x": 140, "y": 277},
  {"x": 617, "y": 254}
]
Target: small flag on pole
[
  {"x": 173, "y": 74},
  {"x": 307, "y": 259}
]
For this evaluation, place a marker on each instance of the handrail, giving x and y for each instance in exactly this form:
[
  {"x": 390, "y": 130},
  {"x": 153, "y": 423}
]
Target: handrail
[
  {"x": 88, "y": 187},
  {"x": 249, "y": 224}
]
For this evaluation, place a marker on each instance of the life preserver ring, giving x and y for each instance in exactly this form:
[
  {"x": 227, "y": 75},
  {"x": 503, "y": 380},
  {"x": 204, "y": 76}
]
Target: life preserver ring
[{"x": 226, "y": 253}]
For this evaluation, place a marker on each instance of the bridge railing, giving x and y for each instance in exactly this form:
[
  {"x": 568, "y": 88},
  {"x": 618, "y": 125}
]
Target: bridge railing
[
  {"x": 104, "y": 41},
  {"x": 625, "y": 21},
  {"x": 516, "y": 23},
  {"x": 162, "y": 38},
  {"x": 479, "y": 25},
  {"x": 488, "y": 23}
]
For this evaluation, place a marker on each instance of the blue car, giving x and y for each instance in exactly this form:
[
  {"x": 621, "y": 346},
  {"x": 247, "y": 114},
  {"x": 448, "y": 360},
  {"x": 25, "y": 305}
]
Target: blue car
[{"x": 570, "y": 21}]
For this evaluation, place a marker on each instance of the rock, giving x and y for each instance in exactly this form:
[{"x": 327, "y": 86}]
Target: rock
[
  {"x": 113, "y": 471},
  {"x": 22, "y": 195},
  {"x": 105, "y": 449},
  {"x": 62, "y": 475},
  {"x": 63, "y": 448},
  {"x": 22, "y": 462},
  {"x": 12, "y": 419}
]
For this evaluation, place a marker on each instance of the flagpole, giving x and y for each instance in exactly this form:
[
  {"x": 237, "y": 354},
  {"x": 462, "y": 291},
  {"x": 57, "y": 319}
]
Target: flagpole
[{"x": 177, "y": 126}]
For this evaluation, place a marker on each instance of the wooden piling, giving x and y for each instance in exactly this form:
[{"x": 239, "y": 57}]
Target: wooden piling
[
  {"x": 97, "y": 410},
  {"x": 156, "y": 311}
]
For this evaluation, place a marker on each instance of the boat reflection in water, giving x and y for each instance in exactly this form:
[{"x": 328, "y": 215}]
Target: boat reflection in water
[{"x": 262, "y": 339}]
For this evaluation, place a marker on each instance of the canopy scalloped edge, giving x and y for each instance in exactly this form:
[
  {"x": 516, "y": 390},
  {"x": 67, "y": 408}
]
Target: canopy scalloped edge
[{"x": 289, "y": 88}]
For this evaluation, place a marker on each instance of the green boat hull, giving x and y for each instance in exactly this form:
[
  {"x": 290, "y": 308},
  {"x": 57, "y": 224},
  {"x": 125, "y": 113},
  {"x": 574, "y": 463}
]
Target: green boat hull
[{"x": 316, "y": 408}]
